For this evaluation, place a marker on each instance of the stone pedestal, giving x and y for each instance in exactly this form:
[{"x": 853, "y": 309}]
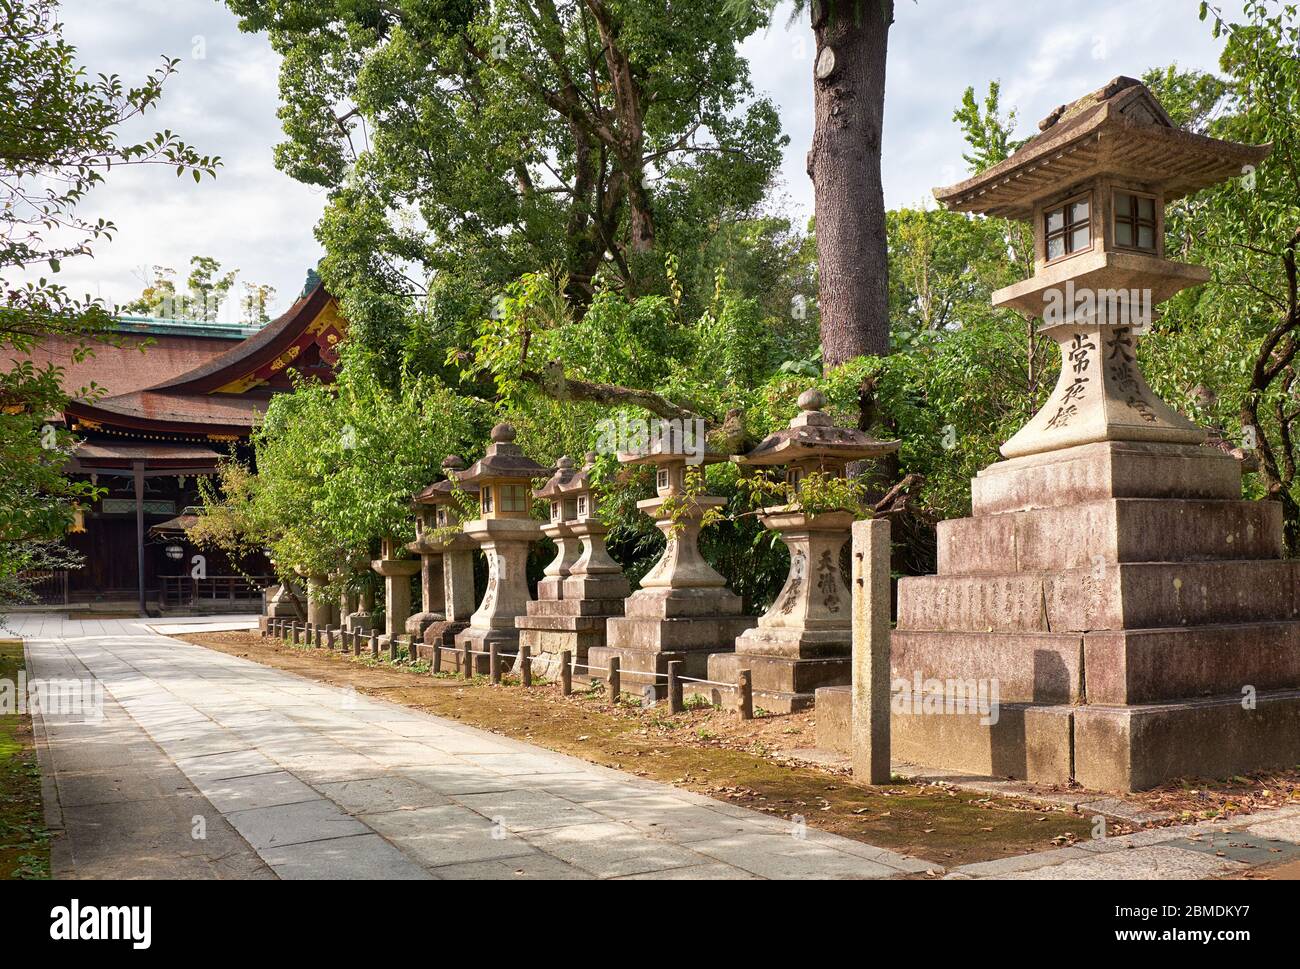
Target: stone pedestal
[
  {"x": 320, "y": 611},
  {"x": 683, "y": 610},
  {"x": 281, "y": 604},
  {"x": 505, "y": 543},
  {"x": 457, "y": 601},
  {"x": 397, "y": 593},
  {"x": 1134, "y": 612},
  {"x": 582, "y": 587},
  {"x": 363, "y": 619},
  {"x": 804, "y": 641},
  {"x": 432, "y": 591}
]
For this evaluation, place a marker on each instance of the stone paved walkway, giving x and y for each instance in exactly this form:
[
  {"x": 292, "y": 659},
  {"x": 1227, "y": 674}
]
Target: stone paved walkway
[{"x": 286, "y": 777}]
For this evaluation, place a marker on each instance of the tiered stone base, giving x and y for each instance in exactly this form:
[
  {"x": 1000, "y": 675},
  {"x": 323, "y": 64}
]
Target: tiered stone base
[
  {"x": 785, "y": 667},
  {"x": 481, "y": 640},
  {"x": 417, "y": 624},
  {"x": 1134, "y": 612},
  {"x": 442, "y": 634},
  {"x": 1102, "y": 747},
  {"x": 666, "y": 625},
  {"x": 555, "y": 625}
]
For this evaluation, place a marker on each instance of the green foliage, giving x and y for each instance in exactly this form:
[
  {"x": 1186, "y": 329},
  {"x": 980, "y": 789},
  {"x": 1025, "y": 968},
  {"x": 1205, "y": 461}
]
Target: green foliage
[
  {"x": 473, "y": 297},
  {"x": 337, "y": 467},
  {"x": 987, "y": 132},
  {"x": 209, "y": 288},
  {"x": 465, "y": 145}
]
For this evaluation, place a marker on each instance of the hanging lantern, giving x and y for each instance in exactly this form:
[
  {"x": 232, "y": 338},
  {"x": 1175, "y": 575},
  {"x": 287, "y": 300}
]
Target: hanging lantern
[{"x": 175, "y": 552}]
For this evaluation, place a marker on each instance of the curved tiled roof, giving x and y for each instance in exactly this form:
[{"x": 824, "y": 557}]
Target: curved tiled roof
[
  {"x": 216, "y": 413},
  {"x": 186, "y": 401},
  {"x": 256, "y": 351}
]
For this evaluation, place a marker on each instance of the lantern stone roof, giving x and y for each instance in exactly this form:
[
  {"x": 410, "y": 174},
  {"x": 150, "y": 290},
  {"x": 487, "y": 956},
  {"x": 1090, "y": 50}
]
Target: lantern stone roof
[
  {"x": 556, "y": 484},
  {"x": 504, "y": 459},
  {"x": 662, "y": 452},
  {"x": 812, "y": 434},
  {"x": 1120, "y": 129},
  {"x": 440, "y": 492},
  {"x": 580, "y": 480}
]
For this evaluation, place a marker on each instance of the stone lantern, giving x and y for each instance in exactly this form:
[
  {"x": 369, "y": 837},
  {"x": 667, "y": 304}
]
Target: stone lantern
[
  {"x": 1111, "y": 583},
  {"x": 438, "y": 521},
  {"x": 504, "y": 531},
  {"x": 561, "y": 509},
  {"x": 594, "y": 576},
  {"x": 583, "y": 585},
  {"x": 683, "y": 610},
  {"x": 805, "y": 640},
  {"x": 397, "y": 574}
]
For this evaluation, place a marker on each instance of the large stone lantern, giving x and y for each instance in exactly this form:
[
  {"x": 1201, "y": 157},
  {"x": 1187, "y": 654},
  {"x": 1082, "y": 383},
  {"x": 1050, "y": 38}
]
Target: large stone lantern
[
  {"x": 805, "y": 640},
  {"x": 1111, "y": 584},
  {"x": 594, "y": 576},
  {"x": 683, "y": 610},
  {"x": 582, "y": 585},
  {"x": 439, "y": 536},
  {"x": 504, "y": 531}
]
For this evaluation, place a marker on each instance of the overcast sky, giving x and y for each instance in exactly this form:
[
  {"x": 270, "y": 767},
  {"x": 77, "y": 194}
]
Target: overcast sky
[{"x": 254, "y": 218}]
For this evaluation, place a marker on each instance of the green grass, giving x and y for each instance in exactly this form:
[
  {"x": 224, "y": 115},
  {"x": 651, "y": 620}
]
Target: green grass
[{"x": 24, "y": 840}]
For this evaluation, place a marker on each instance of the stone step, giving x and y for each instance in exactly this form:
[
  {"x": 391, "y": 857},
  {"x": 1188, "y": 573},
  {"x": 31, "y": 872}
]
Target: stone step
[
  {"x": 1110, "y": 596},
  {"x": 781, "y": 684},
  {"x": 1111, "y": 530},
  {"x": 1108, "y": 469},
  {"x": 658, "y": 604},
  {"x": 1159, "y": 665},
  {"x": 575, "y": 607},
  {"x": 1132, "y": 748},
  {"x": 1131, "y": 666},
  {"x": 1029, "y": 667},
  {"x": 717, "y": 633},
  {"x": 1025, "y": 741}
]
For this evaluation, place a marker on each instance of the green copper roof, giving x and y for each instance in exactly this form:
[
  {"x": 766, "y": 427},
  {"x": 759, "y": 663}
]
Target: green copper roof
[{"x": 157, "y": 326}]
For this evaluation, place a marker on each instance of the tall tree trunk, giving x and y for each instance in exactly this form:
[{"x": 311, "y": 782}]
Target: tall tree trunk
[{"x": 844, "y": 164}]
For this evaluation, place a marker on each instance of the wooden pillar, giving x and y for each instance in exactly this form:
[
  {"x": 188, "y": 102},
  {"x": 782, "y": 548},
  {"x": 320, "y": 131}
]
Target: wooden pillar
[{"x": 137, "y": 469}]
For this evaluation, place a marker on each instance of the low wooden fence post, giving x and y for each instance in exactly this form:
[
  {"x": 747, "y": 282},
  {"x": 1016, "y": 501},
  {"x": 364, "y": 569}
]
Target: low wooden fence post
[
  {"x": 374, "y": 644},
  {"x": 675, "y": 703},
  {"x": 494, "y": 664},
  {"x": 745, "y": 695},
  {"x": 437, "y": 657},
  {"x": 525, "y": 666},
  {"x": 566, "y": 672},
  {"x": 614, "y": 680},
  {"x": 467, "y": 661}
]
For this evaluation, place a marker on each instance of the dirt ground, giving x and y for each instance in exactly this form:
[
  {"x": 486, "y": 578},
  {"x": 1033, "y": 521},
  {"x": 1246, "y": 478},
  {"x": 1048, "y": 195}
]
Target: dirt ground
[{"x": 24, "y": 840}]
